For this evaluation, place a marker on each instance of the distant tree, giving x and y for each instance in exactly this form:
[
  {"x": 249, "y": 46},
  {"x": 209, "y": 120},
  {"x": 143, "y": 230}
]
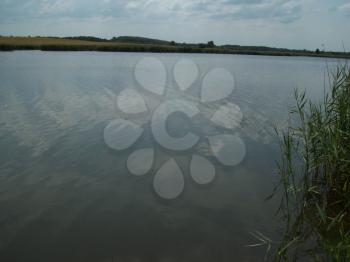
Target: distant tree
[
  {"x": 202, "y": 45},
  {"x": 317, "y": 51},
  {"x": 211, "y": 44},
  {"x": 172, "y": 43}
]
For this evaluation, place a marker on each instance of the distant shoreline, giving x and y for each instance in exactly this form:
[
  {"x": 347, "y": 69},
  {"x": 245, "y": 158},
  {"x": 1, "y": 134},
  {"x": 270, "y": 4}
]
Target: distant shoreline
[{"x": 159, "y": 46}]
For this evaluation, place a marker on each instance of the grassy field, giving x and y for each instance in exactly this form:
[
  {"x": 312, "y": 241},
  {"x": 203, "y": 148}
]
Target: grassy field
[
  {"x": 61, "y": 44},
  {"x": 121, "y": 45},
  {"x": 39, "y": 41}
]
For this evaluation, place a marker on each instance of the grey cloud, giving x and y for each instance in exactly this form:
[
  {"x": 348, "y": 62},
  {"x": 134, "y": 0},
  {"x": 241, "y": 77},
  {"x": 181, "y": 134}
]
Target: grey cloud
[
  {"x": 277, "y": 10},
  {"x": 280, "y": 10},
  {"x": 344, "y": 8},
  {"x": 21, "y": 10}
]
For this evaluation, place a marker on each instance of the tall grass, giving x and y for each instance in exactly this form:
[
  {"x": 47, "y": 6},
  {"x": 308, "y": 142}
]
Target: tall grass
[{"x": 315, "y": 176}]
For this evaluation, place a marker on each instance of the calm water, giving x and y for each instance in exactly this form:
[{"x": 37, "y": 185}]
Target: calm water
[{"x": 66, "y": 196}]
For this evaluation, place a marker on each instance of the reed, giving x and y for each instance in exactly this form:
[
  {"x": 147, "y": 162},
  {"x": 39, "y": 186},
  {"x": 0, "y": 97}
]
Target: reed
[{"x": 315, "y": 176}]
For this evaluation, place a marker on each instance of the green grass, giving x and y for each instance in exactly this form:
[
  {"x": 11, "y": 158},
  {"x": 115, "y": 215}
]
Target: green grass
[{"x": 315, "y": 176}]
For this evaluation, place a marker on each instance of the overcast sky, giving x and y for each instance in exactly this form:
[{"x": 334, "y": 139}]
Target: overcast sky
[{"x": 297, "y": 24}]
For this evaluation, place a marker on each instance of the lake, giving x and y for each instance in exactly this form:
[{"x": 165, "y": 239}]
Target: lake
[{"x": 75, "y": 184}]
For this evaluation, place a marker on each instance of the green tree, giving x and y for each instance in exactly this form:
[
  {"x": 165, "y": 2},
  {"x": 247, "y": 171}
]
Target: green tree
[{"x": 211, "y": 44}]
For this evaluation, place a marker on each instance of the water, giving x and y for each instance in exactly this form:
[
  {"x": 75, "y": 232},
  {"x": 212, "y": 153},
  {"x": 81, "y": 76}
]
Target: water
[{"x": 66, "y": 195}]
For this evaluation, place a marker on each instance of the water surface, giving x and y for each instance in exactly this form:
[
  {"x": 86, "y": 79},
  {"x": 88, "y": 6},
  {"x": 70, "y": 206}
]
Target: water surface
[{"x": 66, "y": 196}]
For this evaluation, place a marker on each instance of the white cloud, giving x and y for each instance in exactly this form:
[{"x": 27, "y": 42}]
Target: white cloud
[
  {"x": 274, "y": 10},
  {"x": 345, "y": 8},
  {"x": 280, "y": 10},
  {"x": 52, "y": 7}
]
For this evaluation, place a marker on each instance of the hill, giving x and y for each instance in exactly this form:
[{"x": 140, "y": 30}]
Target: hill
[{"x": 139, "y": 40}]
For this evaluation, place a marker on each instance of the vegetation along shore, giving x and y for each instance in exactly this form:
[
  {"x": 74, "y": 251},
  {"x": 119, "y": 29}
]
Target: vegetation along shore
[
  {"x": 315, "y": 176},
  {"x": 141, "y": 44}
]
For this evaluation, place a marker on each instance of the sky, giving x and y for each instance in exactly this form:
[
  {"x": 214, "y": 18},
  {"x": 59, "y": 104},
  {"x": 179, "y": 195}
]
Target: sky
[{"x": 297, "y": 24}]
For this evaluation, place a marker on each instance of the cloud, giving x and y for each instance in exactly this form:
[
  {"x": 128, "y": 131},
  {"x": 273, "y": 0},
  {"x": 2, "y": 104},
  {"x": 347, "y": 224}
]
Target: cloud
[
  {"x": 14, "y": 10},
  {"x": 275, "y": 10},
  {"x": 345, "y": 8}
]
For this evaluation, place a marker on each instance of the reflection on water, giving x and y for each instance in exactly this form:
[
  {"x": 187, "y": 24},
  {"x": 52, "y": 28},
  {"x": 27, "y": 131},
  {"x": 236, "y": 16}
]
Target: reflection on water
[{"x": 67, "y": 196}]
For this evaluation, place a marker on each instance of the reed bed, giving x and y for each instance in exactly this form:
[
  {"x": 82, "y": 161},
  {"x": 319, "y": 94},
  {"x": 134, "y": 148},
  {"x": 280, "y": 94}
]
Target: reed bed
[{"x": 315, "y": 176}]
